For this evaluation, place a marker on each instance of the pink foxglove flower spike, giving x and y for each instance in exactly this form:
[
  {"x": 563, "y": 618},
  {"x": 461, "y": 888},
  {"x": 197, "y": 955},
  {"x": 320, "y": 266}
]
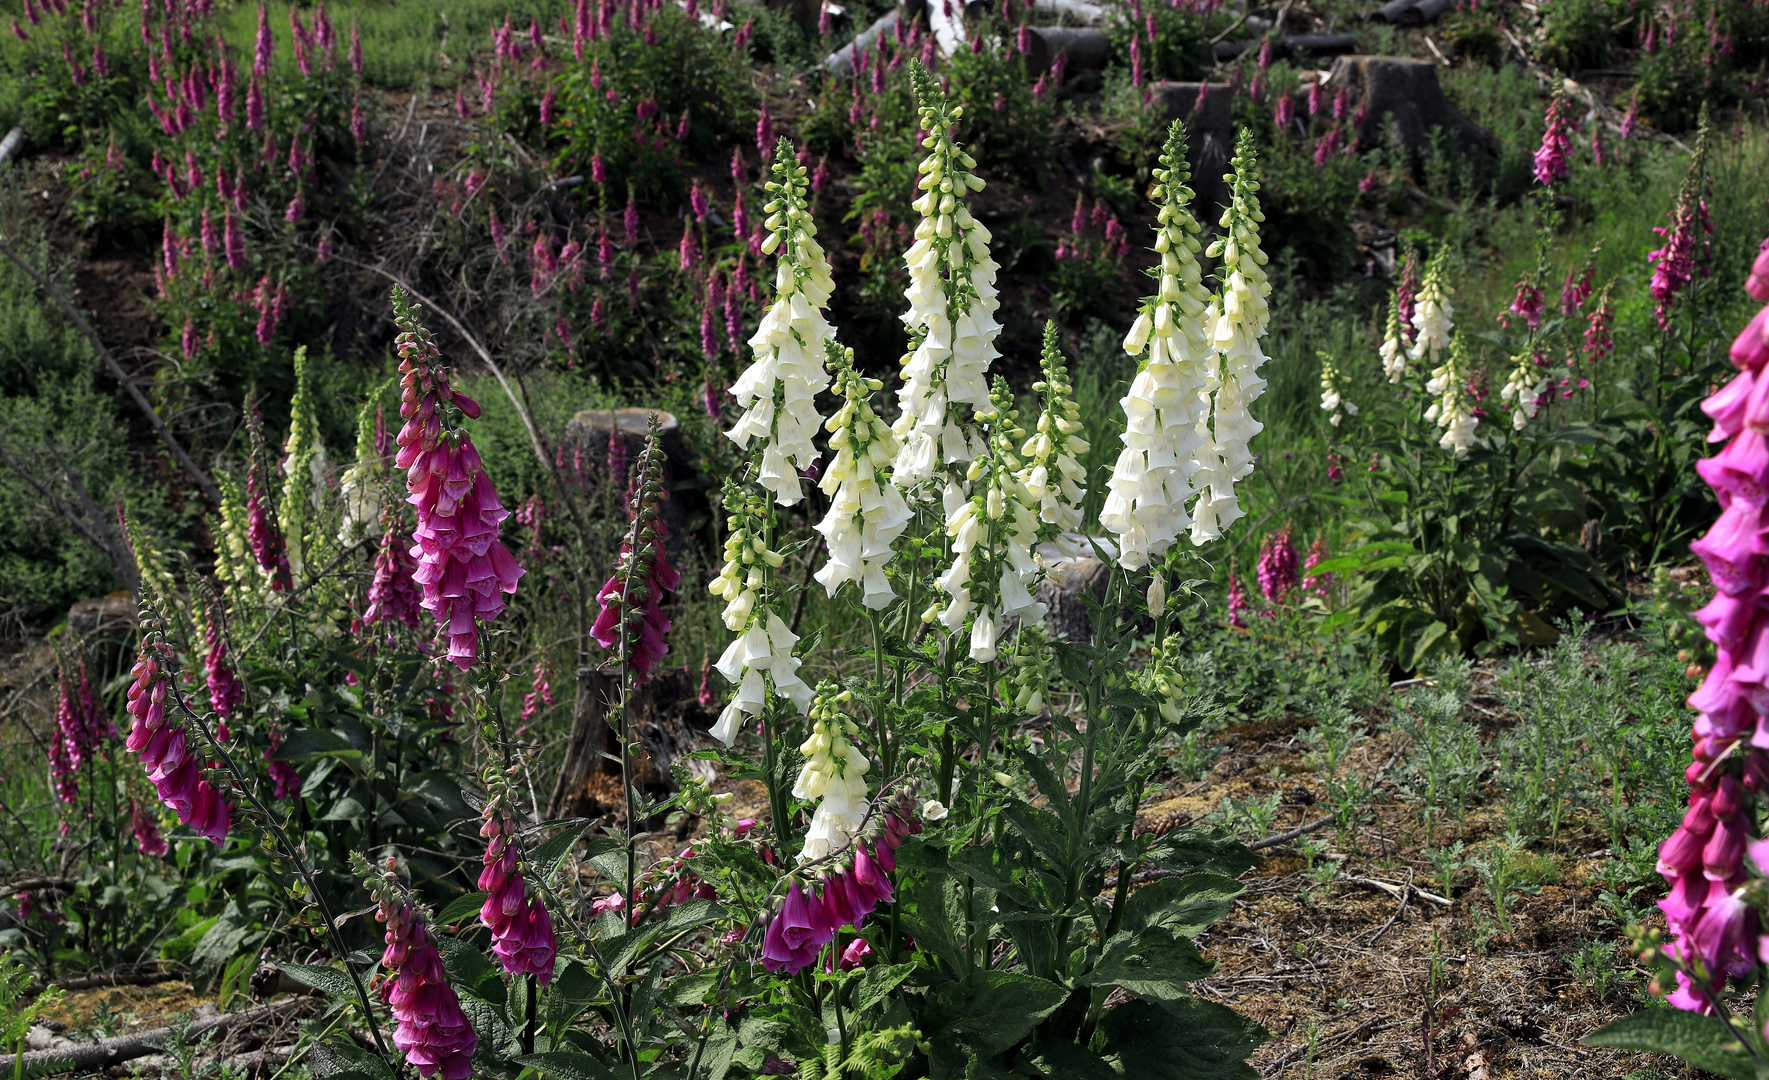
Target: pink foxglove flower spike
[{"x": 464, "y": 570}]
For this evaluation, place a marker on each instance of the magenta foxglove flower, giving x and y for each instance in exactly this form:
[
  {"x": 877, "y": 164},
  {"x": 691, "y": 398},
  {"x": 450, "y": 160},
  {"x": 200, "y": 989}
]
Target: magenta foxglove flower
[
  {"x": 1703, "y": 859},
  {"x": 225, "y": 689},
  {"x": 540, "y": 692},
  {"x": 1528, "y": 305},
  {"x": 1552, "y": 164},
  {"x": 1320, "y": 585},
  {"x": 148, "y": 839},
  {"x": 521, "y": 929},
  {"x": 1757, "y": 284},
  {"x": 267, "y": 546},
  {"x": 1277, "y": 566},
  {"x": 765, "y": 134},
  {"x": 1237, "y": 601},
  {"x": 355, "y": 49},
  {"x": 795, "y": 934},
  {"x": 163, "y": 749},
  {"x": 432, "y": 1032},
  {"x": 463, "y": 568},
  {"x": 643, "y": 575},
  {"x": 265, "y": 45},
  {"x": 393, "y": 594},
  {"x": 285, "y": 781}
]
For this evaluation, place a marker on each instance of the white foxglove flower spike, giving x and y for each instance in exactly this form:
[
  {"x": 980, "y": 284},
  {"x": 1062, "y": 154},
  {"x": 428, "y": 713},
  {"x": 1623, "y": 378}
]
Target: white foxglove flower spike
[
  {"x": 1237, "y": 318},
  {"x": 1523, "y": 387},
  {"x": 1432, "y": 313},
  {"x": 1394, "y": 348},
  {"x": 1331, "y": 399},
  {"x": 777, "y": 393},
  {"x": 1167, "y": 410},
  {"x": 834, "y": 773},
  {"x": 866, "y": 511},
  {"x": 1452, "y": 410},
  {"x": 952, "y": 303},
  {"x": 1052, "y": 476}
]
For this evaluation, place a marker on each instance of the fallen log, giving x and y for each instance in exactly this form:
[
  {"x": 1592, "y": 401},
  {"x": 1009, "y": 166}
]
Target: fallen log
[
  {"x": 841, "y": 61},
  {"x": 1288, "y": 46},
  {"x": 1088, "y": 14},
  {"x": 1424, "y": 13},
  {"x": 91, "y": 1057},
  {"x": 1391, "y": 12}
]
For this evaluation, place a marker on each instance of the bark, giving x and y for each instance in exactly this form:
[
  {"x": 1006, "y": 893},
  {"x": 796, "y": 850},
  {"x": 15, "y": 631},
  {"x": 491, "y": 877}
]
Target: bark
[
  {"x": 1403, "y": 98},
  {"x": 1087, "y": 49},
  {"x": 1289, "y": 45},
  {"x": 841, "y": 61}
]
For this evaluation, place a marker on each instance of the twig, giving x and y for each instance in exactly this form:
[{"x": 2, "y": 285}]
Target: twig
[
  {"x": 210, "y": 491},
  {"x": 1300, "y": 830},
  {"x": 1405, "y": 896},
  {"x": 1397, "y": 891}
]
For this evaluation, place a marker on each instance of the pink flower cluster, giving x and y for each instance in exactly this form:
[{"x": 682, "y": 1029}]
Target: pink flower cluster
[
  {"x": 1703, "y": 859},
  {"x": 79, "y": 729},
  {"x": 805, "y": 923},
  {"x": 1237, "y": 601},
  {"x": 393, "y": 595},
  {"x": 1529, "y": 305},
  {"x": 165, "y": 752},
  {"x": 1277, "y": 566},
  {"x": 226, "y": 691},
  {"x": 148, "y": 840},
  {"x": 1684, "y": 254},
  {"x": 1320, "y": 585},
  {"x": 267, "y": 546},
  {"x": 463, "y": 568},
  {"x": 1552, "y": 164},
  {"x": 521, "y": 929},
  {"x": 432, "y": 1032},
  {"x": 285, "y": 781},
  {"x": 635, "y": 592},
  {"x": 540, "y": 692}
]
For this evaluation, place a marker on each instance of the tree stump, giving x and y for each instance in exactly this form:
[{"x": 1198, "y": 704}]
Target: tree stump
[
  {"x": 1404, "y": 98},
  {"x": 1088, "y": 49},
  {"x": 1066, "y": 580},
  {"x": 589, "y": 440},
  {"x": 1210, "y": 138},
  {"x": 667, "y": 719}
]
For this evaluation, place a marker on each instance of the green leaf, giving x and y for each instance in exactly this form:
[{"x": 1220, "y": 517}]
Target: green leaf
[
  {"x": 694, "y": 913},
  {"x": 1202, "y": 847},
  {"x": 1153, "y": 964},
  {"x": 566, "y": 1065},
  {"x": 1188, "y": 1039},
  {"x": 339, "y": 1058},
  {"x": 1060, "y": 1059},
  {"x": 877, "y": 983},
  {"x": 543, "y": 860},
  {"x": 1705, "y": 1042},
  {"x": 992, "y": 1010},
  {"x": 312, "y": 742},
  {"x": 1183, "y": 906},
  {"x": 345, "y": 809},
  {"x": 469, "y": 970},
  {"x": 327, "y": 980},
  {"x": 460, "y": 907},
  {"x": 181, "y": 947}
]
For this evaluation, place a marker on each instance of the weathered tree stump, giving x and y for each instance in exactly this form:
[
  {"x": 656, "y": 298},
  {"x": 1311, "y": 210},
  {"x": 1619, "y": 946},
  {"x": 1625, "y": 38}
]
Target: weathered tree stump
[
  {"x": 1061, "y": 591},
  {"x": 1403, "y": 97},
  {"x": 1210, "y": 137},
  {"x": 590, "y": 437},
  {"x": 841, "y": 61},
  {"x": 1289, "y": 45},
  {"x": 667, "y": 718}
]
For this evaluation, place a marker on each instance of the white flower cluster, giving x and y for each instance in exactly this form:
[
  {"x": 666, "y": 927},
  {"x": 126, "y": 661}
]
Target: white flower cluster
[
  {"x": 1432, "y": 313},
  {"x": 359, "y": 488},
  {"x": 952, "y": 302},
  {"x": 1167, "y": 411},
  {"x": 1331, "y": 399},
  {"x": 762, "y": 648},
  {"x": 866, "y": 511},
  {"x": 1451, "y": 411},
  {"x": 777, "y": 392},
  {"x": 304, "y": 475},
  {"x": 992, "y": 536},
  {"x": 1394, "y": 348},
  {"x": 748, "y": 561},
  {"x": 1522, "y": 387},
  {"x": 1052, "y": 477},
  {"x": 1237, "y": 318},
  {"x": 834, "y": 773}
]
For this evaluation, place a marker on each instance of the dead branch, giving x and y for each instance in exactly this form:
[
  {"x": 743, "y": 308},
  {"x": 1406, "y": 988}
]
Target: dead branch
[{"x": 107, "y": 1052}]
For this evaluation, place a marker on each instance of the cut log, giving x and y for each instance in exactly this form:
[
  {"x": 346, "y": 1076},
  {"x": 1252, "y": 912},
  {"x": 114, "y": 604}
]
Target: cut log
[
  {"x": 1424, "y": 13},
  {"x": 1080, "y": 11},
  {"x": 1402, "y": 97},
  {"x": 91, "y": 1057},
  {"x": 1288, "y": 46},
  {"x": 841, "y": 61},
  {"x": 1061, "y": 592},
  {"x": 1391, "y": 12},
  {"x": 1086, "y": 48}
]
